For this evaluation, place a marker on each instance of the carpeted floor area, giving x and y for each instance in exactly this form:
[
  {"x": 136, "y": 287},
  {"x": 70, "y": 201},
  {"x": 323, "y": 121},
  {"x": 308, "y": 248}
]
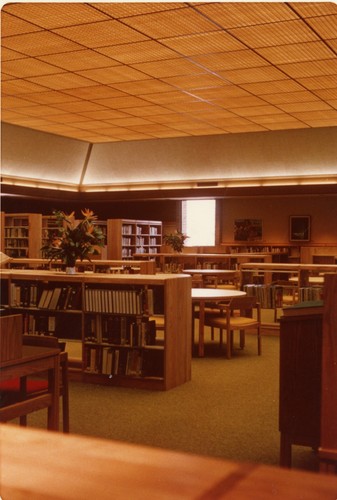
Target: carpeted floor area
[{"x": 229, "y": 409}]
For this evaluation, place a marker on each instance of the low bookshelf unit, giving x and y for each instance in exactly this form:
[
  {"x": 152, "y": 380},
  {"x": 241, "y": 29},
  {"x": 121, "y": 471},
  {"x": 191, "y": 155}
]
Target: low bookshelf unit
[{"x": 113, "y": 317}]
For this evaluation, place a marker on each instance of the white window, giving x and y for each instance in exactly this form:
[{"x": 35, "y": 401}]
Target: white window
[{"x": 198, "y": 222}]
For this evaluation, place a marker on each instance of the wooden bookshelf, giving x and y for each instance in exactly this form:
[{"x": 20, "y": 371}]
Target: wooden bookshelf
[
  {"x": 22, "y": 236},
  {"x": 127, "y": 237},
  {"x": 172, "y": 260},
  {"x": 77, "y": 307},
  {"x": 100, "y": 265}
]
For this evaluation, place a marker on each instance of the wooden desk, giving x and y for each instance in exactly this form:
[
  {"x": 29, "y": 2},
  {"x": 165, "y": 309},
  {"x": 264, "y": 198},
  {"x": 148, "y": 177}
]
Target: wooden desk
[
  {"x": 34, "y": 360},
  {"x": 212, "y": 273},
  {"x": 203, "y": 295},
  {"x": 73, "y": 467}
]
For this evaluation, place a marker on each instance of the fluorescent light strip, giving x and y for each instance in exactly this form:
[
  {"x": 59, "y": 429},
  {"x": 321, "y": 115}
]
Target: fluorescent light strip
[{"x": 188, "y": 184}]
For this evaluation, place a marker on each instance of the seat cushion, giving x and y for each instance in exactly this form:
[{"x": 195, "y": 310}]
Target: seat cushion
[{"x": 33, "y": 385}]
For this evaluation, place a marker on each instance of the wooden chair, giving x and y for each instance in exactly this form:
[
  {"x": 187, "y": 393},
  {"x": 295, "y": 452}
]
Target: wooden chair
[
  {"x": 239, "y": 315},
  {"x": 286, "y": 294},
  {"x": 11, "y": 389}
]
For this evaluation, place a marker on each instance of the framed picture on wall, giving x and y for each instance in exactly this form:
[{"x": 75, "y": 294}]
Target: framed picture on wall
[
  {"x": 247, "y": 230},
  {"x": 299, "y": 228}
]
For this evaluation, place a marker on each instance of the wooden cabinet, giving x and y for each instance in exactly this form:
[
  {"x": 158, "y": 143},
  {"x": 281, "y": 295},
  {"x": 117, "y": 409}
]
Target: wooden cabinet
[
  {"x": 23, "y": 235},
  {"x": 127, "y": 237},
  {"x": 112, "y": 316},
  {"x": 300, "y": 382}
]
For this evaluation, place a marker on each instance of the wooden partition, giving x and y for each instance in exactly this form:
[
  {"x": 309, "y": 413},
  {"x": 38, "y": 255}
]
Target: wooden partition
[{"x": 328, "y": 448}]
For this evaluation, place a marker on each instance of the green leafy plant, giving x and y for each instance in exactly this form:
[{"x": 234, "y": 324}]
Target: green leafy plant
[
  {"x": 74, "y": 239},
  {"x": 175, "y": 240}
]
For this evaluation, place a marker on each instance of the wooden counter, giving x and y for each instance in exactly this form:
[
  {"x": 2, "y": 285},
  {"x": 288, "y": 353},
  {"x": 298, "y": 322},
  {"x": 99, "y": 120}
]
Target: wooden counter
[{"x": 38, "y": 464}]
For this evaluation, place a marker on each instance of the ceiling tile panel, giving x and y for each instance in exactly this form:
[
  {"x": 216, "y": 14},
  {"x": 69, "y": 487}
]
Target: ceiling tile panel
[
  {"x": 274, "y": 34},
  {"x": 22, "y": 68},
  {"x": 143, "y": 87},
  {"x": 55, "y": 15},
  {"x": 290, "y": 97},
  {"x": 122, "y": 10},
  {"x": 61, "y": 81},
  {"x": 172, "y": 67},
  {"x": 79, "y": 60},
  {"x": 11, "y": 25},
  {"x": 40, "y": 43},
  {"x": 236, "y": 14},
  {"x": 308, "y": 69},
  {"x": 265, "y": 74},
  {"x": 325, "y": 26},
  {"x": 20, "y": 87},
  {"x": 132, "y": 53},
  {"x": 171, "y": 23},
  {"x": 297, "y": 52},
  {"x": 313, "y": 9},
  {"x": 230, "y": 60},
  {"x": 113, "y": 74},
  {"x": 101, "y": 34},
  {"x": 203, "y": 43}
]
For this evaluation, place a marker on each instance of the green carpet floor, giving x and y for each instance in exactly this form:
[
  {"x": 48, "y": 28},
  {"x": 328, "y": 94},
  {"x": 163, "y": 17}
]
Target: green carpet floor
[{"x": 229, "y": 409}]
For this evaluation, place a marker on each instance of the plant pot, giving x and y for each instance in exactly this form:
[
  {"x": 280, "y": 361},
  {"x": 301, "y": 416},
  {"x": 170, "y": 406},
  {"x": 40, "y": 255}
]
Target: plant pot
[{"x": 70, "y": 270}]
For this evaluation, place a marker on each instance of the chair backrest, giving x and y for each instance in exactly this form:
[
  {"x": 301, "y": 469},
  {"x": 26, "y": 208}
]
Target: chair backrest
[
  {"x": 43, "y": 341},
  {"x": 244, "y": 304}
]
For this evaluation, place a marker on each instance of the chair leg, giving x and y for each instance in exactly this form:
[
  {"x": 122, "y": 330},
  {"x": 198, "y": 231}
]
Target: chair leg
[
  {"x": 242, "y": 339},
  {"x": 229, "y": 337},
  {"x": 259, "y": 347},
  {"x": 65, "y": 397}
]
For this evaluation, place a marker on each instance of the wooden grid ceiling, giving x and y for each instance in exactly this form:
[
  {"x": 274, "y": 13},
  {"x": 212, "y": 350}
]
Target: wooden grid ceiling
[{"x": 105, "y": 72}]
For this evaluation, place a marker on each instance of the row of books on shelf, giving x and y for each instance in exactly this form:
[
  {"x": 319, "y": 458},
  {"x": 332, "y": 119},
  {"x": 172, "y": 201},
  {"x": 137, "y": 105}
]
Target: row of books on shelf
[
  {"x": 69, "y": 297},
  {"x": 17, "y": 232},
  {"x": 50, "y": 324},
  {"x": 119, "y": 301},
  {"x": 120, "y": 330},
  {"x": 56, "y": 298},
  {"x": 271, "y": 296},
  {"x": 123, "y": 362}
]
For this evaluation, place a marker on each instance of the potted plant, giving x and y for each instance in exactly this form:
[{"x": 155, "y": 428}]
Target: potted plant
[
  {"x": 74, "y": 239},
  {"x": 175, "y": 240}
]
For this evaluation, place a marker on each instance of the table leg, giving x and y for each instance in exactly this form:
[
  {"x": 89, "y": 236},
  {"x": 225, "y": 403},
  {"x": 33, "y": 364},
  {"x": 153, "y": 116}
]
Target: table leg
[
  {"x": 201, "y": 327},
  {"x": 54, "y": 389}
]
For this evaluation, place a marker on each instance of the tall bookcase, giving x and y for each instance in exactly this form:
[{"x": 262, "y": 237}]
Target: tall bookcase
[
  {"x": 114, "y": 318},
  {"x": 22, "y": 235},
  {"x": 127, "y": 237},
  {"x": 49, "y": 227}
]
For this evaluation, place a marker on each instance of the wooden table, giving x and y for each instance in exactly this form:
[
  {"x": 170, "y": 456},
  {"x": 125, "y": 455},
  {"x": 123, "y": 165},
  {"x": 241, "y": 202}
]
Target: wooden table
[
  {"x": 201, "y": 296},
  {"x": 40, "y": 465},
  {"x": 313, "y": 280},
  {"x": 34, "y": 360},
  {"x": 212, "y": 273}
]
